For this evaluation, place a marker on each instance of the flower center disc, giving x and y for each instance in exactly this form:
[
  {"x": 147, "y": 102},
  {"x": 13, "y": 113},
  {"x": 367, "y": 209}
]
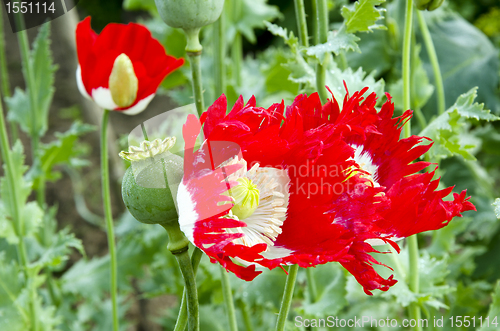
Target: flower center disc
[{"x": 246, "y": 198}]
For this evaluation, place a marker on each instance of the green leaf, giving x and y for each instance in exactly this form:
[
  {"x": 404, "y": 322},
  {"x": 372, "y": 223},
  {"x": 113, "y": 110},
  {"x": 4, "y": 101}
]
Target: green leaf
[
  {"x": 148, "y": 5},
  {"x": 337, "y": 41},
  {"x": 14, "y": 310},
  {"x": 331, "y": 282},
  {"x": 363, "y": 16},
  {"x": 467, "y": 58},
  {"x": 253, "y": 13},
  {"x": 20, "y": 108},
  {"x": 494, "y": 312},
  {"x": 354, "y": 80},
  {"x": 23, "y": 186},
  {"x": 450, "y": 130},
  {"x": 496, "y": 204},
  {"x": 59, "y": 250},
  {"x": 63, "y": 150}
]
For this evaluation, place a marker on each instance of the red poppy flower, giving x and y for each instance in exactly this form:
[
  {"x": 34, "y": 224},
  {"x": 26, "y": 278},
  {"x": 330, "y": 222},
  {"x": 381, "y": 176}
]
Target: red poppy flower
[
  {"x": 307, "y": 187},
  {"x": 121, "y": 68}
]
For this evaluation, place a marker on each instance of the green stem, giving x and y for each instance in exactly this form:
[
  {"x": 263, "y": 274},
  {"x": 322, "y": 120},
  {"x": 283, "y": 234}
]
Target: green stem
[
  {"x": 246, "y": 315},
  {"x": 431, "y": 51},
  {"x": 197, "y": 86},
  {"x": 220, "y": 55},
  {"x": 191, "y": 291},
  {"x": 311, "y": 285},
  {"x": 29, "y": 78},
  {"x": 287, "y": 296},
  {"x": 16, "y": 214},
  {"x": 314, "y": 5},
  {"x": 237, "y": 46},
  {"x": 228, "y": 299},
  {"x": 3, "y": 60},
  {"x": 193, "y": 50},
  {"x": 109, "y": 216},
  {"x": 300, "y": 15},
  {"x": 406, "y": 62},
  {"x": 414, "y": 308},
  {"x": 180, "y": 325},
  {"x": 322, "y": 18},
  {"x": 4, "y": 75}
]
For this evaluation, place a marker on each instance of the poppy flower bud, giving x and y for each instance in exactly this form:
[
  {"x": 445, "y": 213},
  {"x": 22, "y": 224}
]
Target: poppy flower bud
[
  {"x": 150, "y": 184},
  {"x": 429, "y": 5},
  {"x": 123, "y": 83},
  {"x": 189, "y": 14}
]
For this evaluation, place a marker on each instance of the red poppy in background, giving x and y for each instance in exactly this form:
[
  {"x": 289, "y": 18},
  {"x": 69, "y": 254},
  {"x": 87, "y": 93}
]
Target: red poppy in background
[
  {"x": 126, "y": 56},
  {"x": 307, "y": 186}
]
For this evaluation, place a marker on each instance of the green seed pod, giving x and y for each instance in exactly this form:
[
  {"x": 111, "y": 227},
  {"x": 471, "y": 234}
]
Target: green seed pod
[
  {"x": 189, "y": 14},
  {"x": 149, "y": 187},
  {"x": 429, "y": 5}
]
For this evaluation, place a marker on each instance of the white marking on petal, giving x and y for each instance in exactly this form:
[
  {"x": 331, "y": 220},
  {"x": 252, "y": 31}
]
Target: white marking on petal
[
  {"x": 379, "y": 242},
  {"x": 102, "y": 96},
  {"x": 365, "y": 162},
  {"x": 79, "y": 83},
  {"x": 139, "y": 106},
  {"x": 187, "y": 212},
  {"x": 264, "y": 225}
]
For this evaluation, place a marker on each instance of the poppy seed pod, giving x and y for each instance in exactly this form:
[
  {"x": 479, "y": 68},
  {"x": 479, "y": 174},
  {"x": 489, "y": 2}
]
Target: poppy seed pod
[
  {"x": 150, "y": 184},
  {"x": 189, "y": 14}
]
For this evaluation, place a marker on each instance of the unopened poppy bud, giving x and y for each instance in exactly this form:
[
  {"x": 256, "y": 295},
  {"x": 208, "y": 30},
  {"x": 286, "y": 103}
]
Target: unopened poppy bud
[
  {"x": 429, "y": 5},
  {"x": 123, "y": 83},
  {"x": 149, "y": 186}
]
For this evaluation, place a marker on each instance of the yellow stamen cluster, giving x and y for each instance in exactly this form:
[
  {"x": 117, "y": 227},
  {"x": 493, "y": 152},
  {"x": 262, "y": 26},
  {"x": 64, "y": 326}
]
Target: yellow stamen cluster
[{"x": 246, "y": 198}]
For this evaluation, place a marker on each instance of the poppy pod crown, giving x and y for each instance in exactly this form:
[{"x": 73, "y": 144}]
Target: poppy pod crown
[{"x": 121, "y": 68}]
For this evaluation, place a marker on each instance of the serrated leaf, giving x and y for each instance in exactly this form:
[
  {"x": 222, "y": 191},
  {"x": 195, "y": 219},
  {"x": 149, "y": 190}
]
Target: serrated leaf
[
  {"x": 14, "y": 311},
  {"x": 354, "y": 80},
  {"x": 61, "y": 151},
  {"x": 363, "y": 16},
  {"x": 449, "y": 131},
  {"x": 42, "y": 67},
  {"x": 59, "y": 250},
  {"x": 496, "y": 204},
  {"x": 494, "y": 311},
  {"x": 23, "y": 187},
  {"x": 337, "y": 41}
]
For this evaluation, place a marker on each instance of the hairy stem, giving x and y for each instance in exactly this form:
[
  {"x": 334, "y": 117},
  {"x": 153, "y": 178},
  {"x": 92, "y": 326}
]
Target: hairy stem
[
  {"x": 181, "y": 323},
  {"x": 406, "y": 62},
  {"x": 190, "y": 288},
  {"x": 311, "y": 285},
  {"x": 415, "y": 313},
  {"x": 322, "y": 18},
  {"x": 109, "y": 217},
  {"x": 286, "y": 302},
  {"x": 228, "y": 299},
  {"x": 300, "y": 16},
  {"x": 431, "y": 51},
  {"x": 237, "y": 46},
  {"x": 220, "y": 55},
  {"x": 246, "y": 315}
]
